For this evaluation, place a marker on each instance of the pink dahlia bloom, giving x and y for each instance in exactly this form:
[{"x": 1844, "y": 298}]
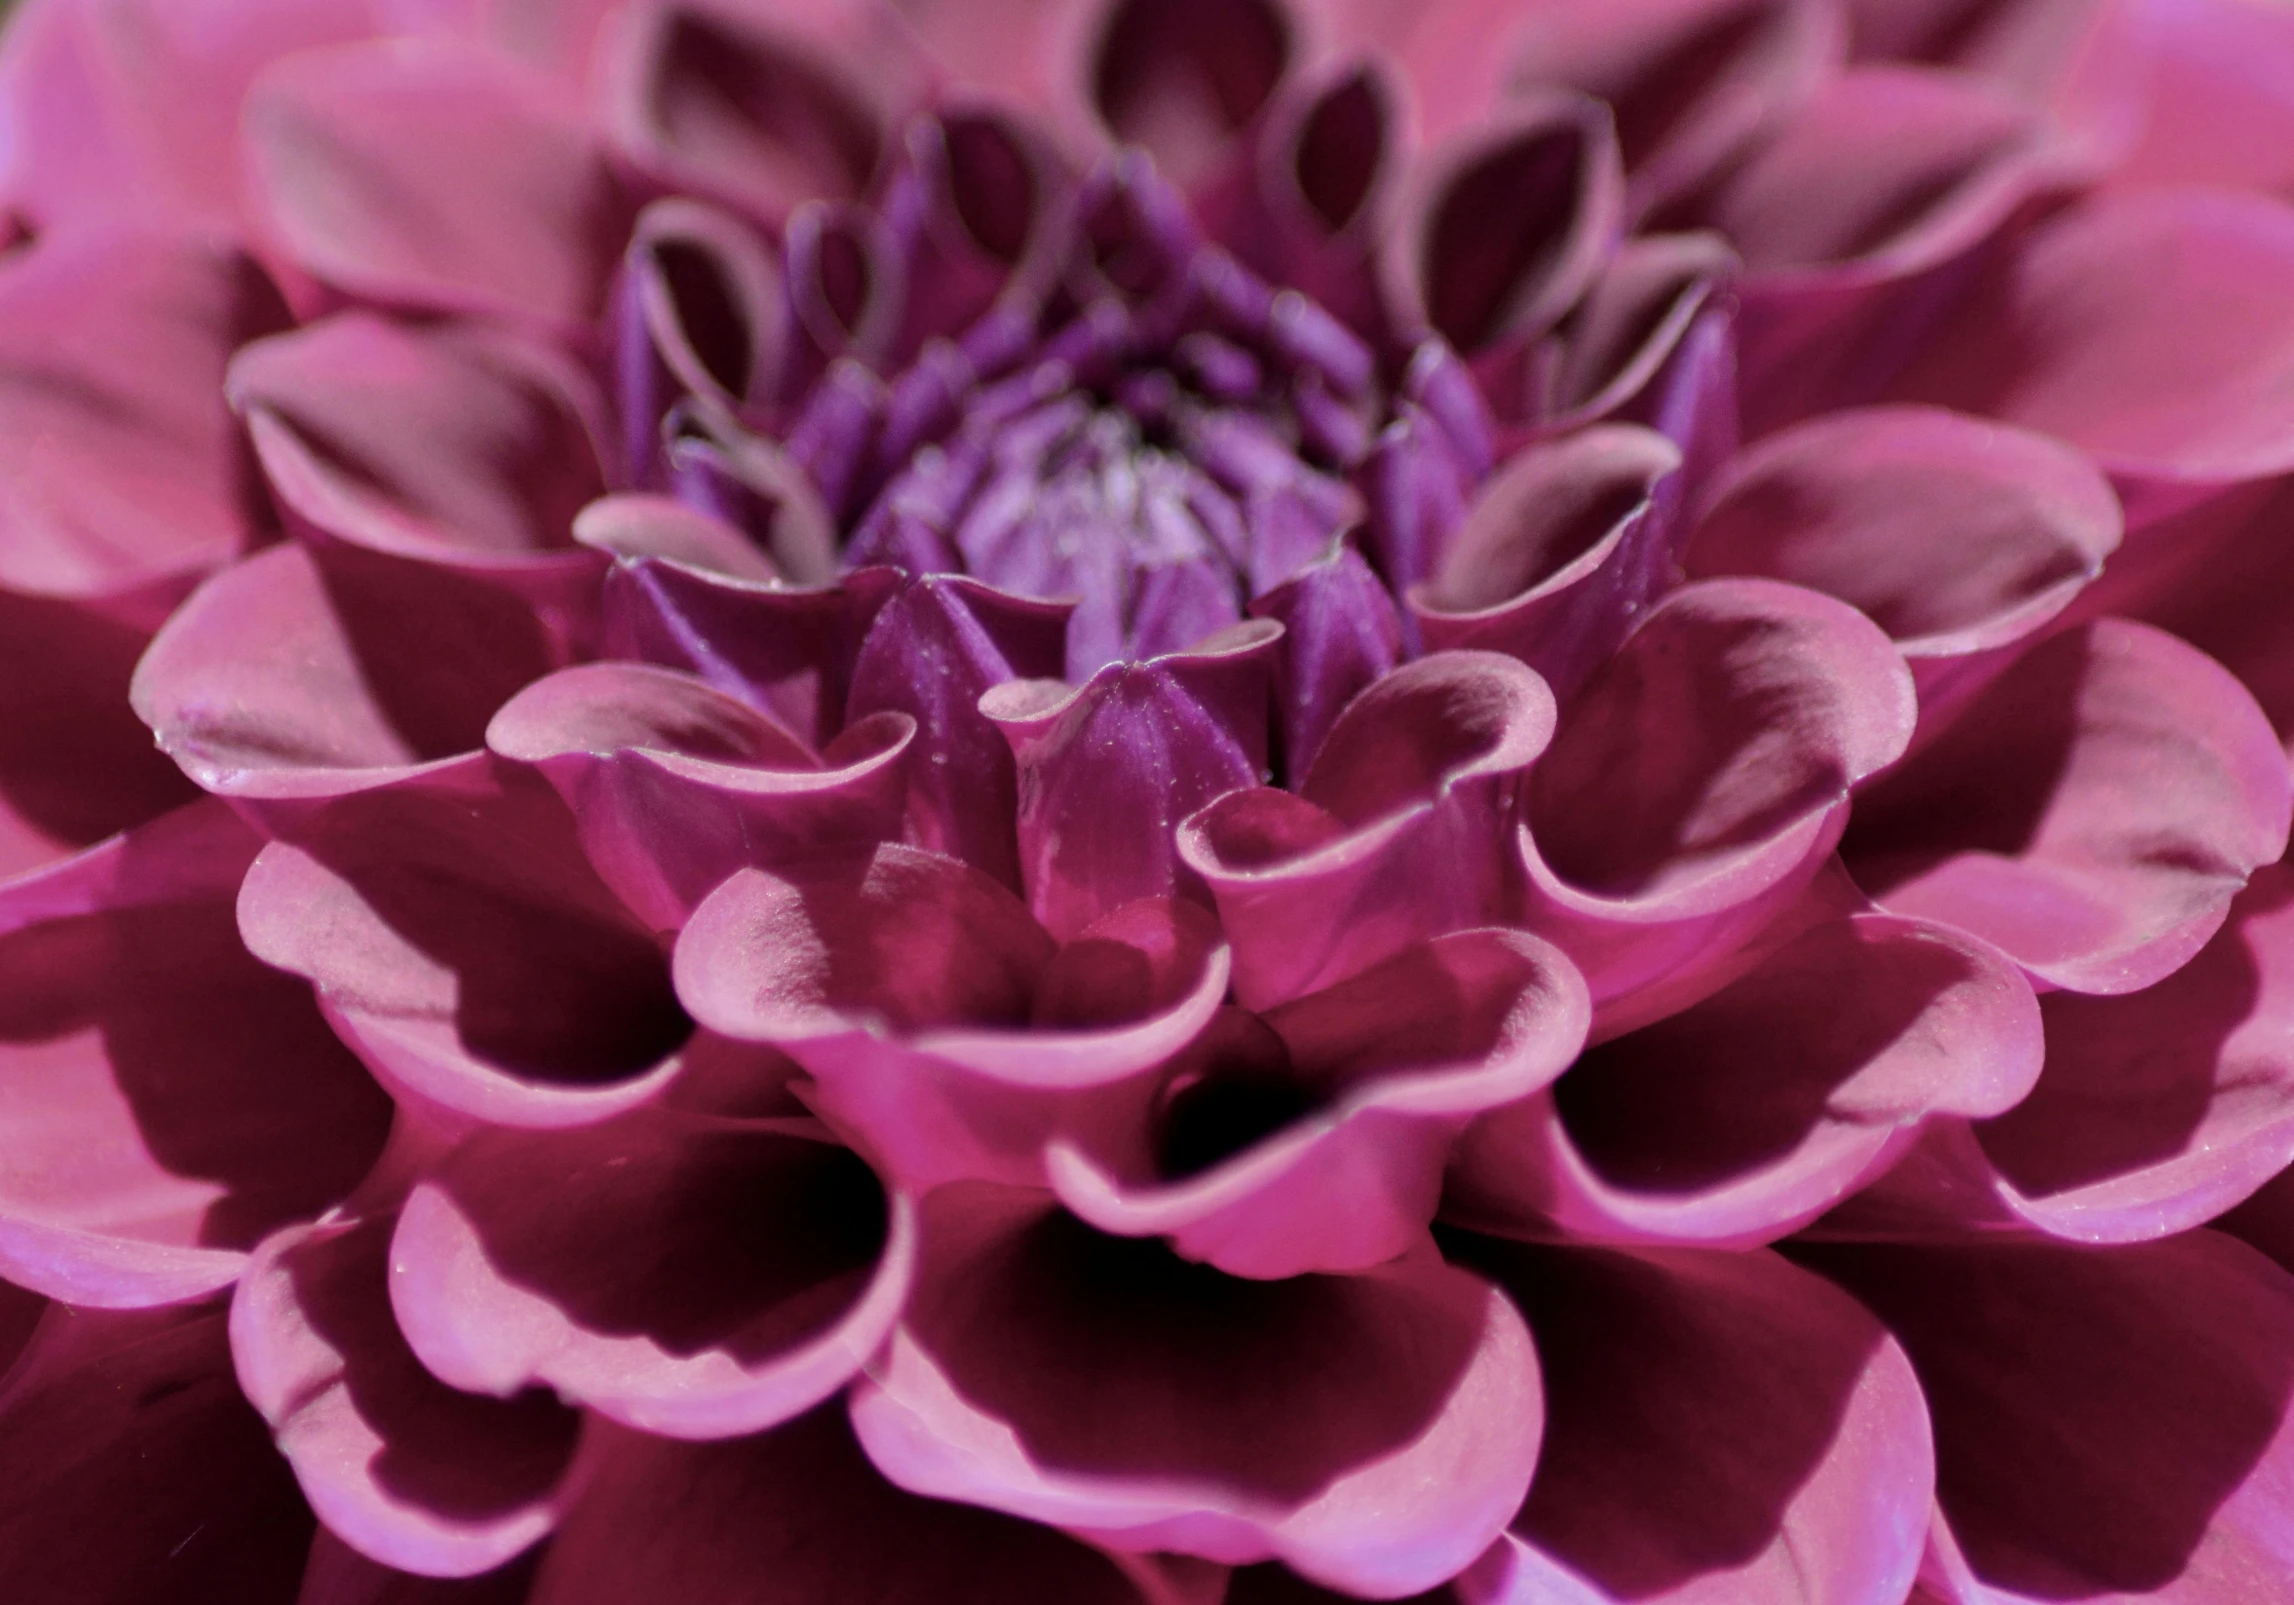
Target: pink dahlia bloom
[{"x": 1146, "y": 802}]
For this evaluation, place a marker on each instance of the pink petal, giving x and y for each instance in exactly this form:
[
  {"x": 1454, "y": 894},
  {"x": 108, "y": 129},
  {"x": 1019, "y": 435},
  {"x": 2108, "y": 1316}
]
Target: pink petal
[
  {"x": 289, "y": 676},
  {"x": 436, "y": 175},
  {"x": 2108, "y": 1422},
  {"x": 2156, "y": 1112},
  {"x": 339, "y": 1575},
  {"x": 1182, "y": 82},
  {"x": 463, "y": 946},
  {"x": 1701, "y": 779},
  {"x": 403, "y": 1467},
  {"x": 1725, "y": 1429},
  {"x": 1108, "y": 770},
  {"x": 167, "y": 1100},
  {"x": 1634, "y": 328},
  {"x": 131, "y": 1469},
  {"x": 1398, "y": 833},
  {"x": 2221, "y": 98},
  {"x": 2092, "y": 811},
  {"x": 1692, "y": 83},
  {"x": 1106, "y": 1386},
  {"x": 1561, "y": 550},
  {"x": 744, "y": 108},
  {"x": 1330, "y": 1158},
  {"x": 635, "y": 527},
  {"x": 2154, "y": 331},
  {"x": 1330, "y": 158},
  {"x": 1505, "y": 231},
  {"x": 1954, "y": 535},
  {"x": 674, "y": 786},
  {"x": 462, "y": 448},
  {"x": 702, "y": 1523},
  {"x": 1753, "y": 1112},
  {"x": 694, "y": 1277}
]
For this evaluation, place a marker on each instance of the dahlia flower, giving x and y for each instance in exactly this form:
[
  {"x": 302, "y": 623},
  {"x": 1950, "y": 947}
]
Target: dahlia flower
[{"x": 1146, "y": 802}]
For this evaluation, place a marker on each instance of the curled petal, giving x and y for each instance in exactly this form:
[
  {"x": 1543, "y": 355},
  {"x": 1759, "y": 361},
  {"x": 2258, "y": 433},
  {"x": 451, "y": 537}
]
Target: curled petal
[
  {"x": 1633, "y": 330},
  {"x": 410, "y": 1471},
  {"x": 2154, "y": 331},
  {"x": 635, "y": 527},
  {"x": 674, "y": 785},
  {"x": 1508, "y": 231},
  {"x": 2091, "y": 812},
  {"x": 1560, "y": 551},
  {"x": 1751, "y": 1113},
  {"x": 1108, "y": 770},
  {"x": 1397, "y": 833},
  {"x": 979, "y": 214},
  {"x": 715, "y": 99},
  {"x": 689, "y": 1276},
  {"x": 702, "y": 1522},
  {"x": 1181, "y": 82},
  {"x": 1328, "y": 164},
  {"x": 1340, "y": 633},
  {"x": 1332, "y": 1159},
  {"x": 131, "y": 1468},
  {"x": 435, "y": 174},
  {"x": 464, "y": 947},
  {"x": 337, "y": 1574},
  {"x": 291, "y": 676},
  {"x": 2156, "y": 1112},
  {"x": 1692, "y": 83},
  {"x": 1723, "y": 1427},
  {"x": 1106, "y": 1386},
  {"x": 933, "y": 651},
  {"x": 2107, "y": 1421},
  {"x": 1952, "y": 534},
  {"x": 1700, "y": 780},
  {"x": 166, "y": 1099}
]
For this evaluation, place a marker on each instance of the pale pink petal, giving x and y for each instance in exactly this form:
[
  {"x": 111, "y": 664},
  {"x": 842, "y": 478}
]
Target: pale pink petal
[
  {"x": 674, "y": 785},
  {"x": 435, "y": 174},
  {"x": 2222, "y": 98},
  {"x": 1399, "y": 831},
  {"x": 1724, "y": 1429},
  {"x": 2092, "y": 811},
  {"x": 2108, "y": 1422},
  {"x": 1316, "y": 1140},
  {"x": 337, "y": 1574},
  {"x": 464, "y": 947},
  {"x": 1753, "y": 1112},
  {"x": 405, "y": 1468},
  {"x": 694, "y": 1277},
  {"x": 1104, "y": 1385},
  {"x": 1701, "y": 780},
  {"x": 167, "y": 1099}
]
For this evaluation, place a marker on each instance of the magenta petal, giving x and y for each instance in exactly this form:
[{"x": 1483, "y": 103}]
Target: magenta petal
[
  {"x": 1702, "y": 777},
  {"x": 1108, "y": 770},
  {"x": 1399, "y": 833},
  {"x": 1692, "y": 85},
  {"x": 674, "y": 785},
  {"x": 933, "y": 651},
  {"x": 124, "y": 463},
  {"x": 2222, "y": 98},
  {"x": 2092, "y": 811},
  {"x": 1392, "y": 1064},
  {"x": 1182, "y": 81},
  {"x": 289, "y": 677},
  {"x": 131, "y": 1469},
  {"x": 337, "y": 1574},
  {"x": 1725, "y": 1429},
  {"x": 437, "y": 175},
  {"x": 1952, "y": 534},
  {"x": 462, "y": 446},
  {"x": 720, "y": 100},
  {"x": 1103, "y": 1385},
  {"x": 697, "y": 313},
  {"x": 2156, "y": 1112},
  {"x": 464, "y": 947},
  {"x": 1633, "y": 329},
  {"x": 635, "y": 527},
  {"x": 1753, "y": 1112},
  {"x": 1561, "y": 550},
  {"x": 166, "y": 1099},
  {"x": 1340, "y": 632},
  {"x": 1506, "y": 233},
  {"x": 980, "y": 212},
  {"x": 695, "y": 1277},
  {"x": 406, "y": 1469},
  {"x": 2154, "y": 331},
  {"x": 801, "y": 1505},
  {"x": 2108, "y": 1422}
]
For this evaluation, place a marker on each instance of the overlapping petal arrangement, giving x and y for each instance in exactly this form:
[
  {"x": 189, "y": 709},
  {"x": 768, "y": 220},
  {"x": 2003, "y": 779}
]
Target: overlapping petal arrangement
[{"x": 1147, "y": 801}]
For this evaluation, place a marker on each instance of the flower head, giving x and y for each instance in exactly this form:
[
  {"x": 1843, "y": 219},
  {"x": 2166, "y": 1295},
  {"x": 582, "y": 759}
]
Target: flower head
[{"x": 1145, "y": 801}]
